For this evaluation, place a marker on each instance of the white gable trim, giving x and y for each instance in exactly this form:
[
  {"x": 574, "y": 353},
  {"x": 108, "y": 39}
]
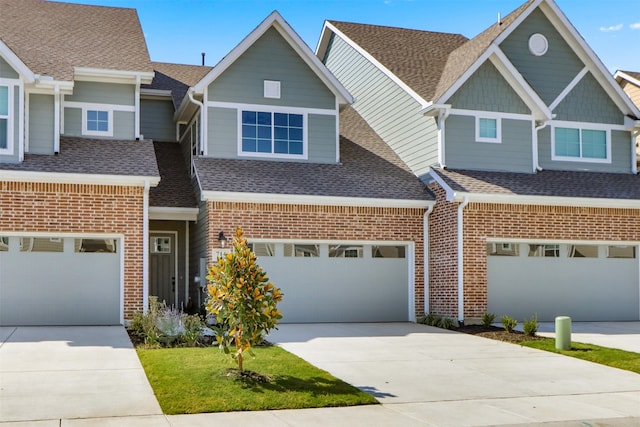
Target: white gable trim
[
  {"x": 276, "y": 21},
  {"x": 321, "y": 49},
  {"x": 577, "y": 79},
  {"x": 16, "y": 63},
  {"x": 627, "y": 77},
  {"x": 294, "y": 199}
]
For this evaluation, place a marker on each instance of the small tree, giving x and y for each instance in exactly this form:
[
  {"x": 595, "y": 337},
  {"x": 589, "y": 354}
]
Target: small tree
[{"x": 242, "y": 299}]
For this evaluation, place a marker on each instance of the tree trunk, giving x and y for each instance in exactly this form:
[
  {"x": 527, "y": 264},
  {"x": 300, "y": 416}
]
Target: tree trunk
[{"x": 240, "y": 362}]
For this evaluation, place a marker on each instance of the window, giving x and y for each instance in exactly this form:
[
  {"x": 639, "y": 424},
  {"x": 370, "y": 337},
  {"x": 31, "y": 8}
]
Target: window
[
  {"x": 161, "y": 245},
  {"x": 546, "y": 251},
  {"x": 388, "y": 252},
  {"x": 97, "y": 122},
  {"x": 488, "y": 129},
  {"x": 41, "y": 244},
  {"x": 4, "y": 117},
  {"x": 263, "y": 249},
  {"x": 95, "y": 246},
  {"x": 580, "y": 144},
  {"x": 279, "y": 134},
  {"x": 4, "y": 244},
  {"x": 307, "y": 251},
  {"x": 503, "y": 249},
  {"x": 583, "y": 251},
  {"x": 345, "y": 251},
  {"x": 628, "y": 252}
]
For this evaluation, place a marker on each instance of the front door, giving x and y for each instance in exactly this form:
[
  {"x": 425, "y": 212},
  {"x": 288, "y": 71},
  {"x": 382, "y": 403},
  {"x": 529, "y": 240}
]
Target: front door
[{"x": 162, "y": 266}]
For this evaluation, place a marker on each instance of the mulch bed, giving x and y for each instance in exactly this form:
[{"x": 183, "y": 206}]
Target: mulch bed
[{"x": 495, "y": 333}]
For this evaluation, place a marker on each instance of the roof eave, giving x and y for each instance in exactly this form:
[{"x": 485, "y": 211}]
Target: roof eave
[
  {"x": 112, "y": 76},
  {"x": 79, "y": 178}
]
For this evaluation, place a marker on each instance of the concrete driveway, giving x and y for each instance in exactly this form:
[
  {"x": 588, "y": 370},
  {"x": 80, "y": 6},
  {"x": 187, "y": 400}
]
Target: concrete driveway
[
  {"x": 54, "y": 373},
  {"x": 622, "y": 335},
  {"x": 435, "y": 377}
]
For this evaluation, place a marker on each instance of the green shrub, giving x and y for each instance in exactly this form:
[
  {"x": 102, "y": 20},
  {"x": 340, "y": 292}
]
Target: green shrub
[
  {"x": 429, "y": 319},
  {"x": 531, "y": 326},
  {"x": 438, "y": 321},
  {"x": 488, "y": 319},
  {"x": 509, "y": 323},
  {"x": 446, "y": 323}
]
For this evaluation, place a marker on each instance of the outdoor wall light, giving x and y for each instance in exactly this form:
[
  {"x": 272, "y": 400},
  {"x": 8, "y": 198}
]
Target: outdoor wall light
[{"x": 222, "y": 239}]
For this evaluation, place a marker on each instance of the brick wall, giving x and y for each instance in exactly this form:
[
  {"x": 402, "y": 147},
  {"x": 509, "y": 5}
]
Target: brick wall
[
  {"x": 277, "y": 221},
  {"x": 80, "y": 208}
]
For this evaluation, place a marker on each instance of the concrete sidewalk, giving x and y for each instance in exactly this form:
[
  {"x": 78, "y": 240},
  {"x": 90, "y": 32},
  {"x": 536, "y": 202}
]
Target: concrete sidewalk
[{"x": 622, "y": 335}]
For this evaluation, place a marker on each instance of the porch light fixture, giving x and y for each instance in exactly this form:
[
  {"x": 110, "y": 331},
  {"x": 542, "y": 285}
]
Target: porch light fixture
[{"x": 222, "y": 239}]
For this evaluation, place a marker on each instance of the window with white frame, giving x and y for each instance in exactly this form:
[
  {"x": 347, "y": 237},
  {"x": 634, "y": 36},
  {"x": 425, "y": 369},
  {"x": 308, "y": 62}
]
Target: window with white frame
[
  {"x": 97, "y": 122},
  {"x": 488, "y": 129},
  {"x": 4, "y": 118},
  {"x": 272, "y": 133},
  {"x": 575, "y": 144}
]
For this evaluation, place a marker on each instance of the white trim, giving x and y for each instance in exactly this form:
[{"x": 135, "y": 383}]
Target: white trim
[
  {"x": 10, "y": 118},
  {"x": 155, "y": 93},
  {"x": 112, "y": 76},
  {"x": 16, "y": 63},
  {"x": 563, "y": 241},
  {"x": 145, "y": 247},
  {"x": 122, "y": 256},
  {"x": 276, "y": 21},
  {"x": 275, "y": 108},
  {"x": 97, "y": 106},
  {"x": 569, "y": 88},
  {"x": 27, "y": 102},
  {"x": 176, "y": 271},
  {"x": 186, "y": 263},
  {"x": 204, "y": 124},
  {"x": 491, "y": 114},
  {"x": 627, "y": 77},
  {"x": 22, "y": 122},
  {"x": 56, "y": 119},
  {"x": 320, "y": 52},
  {"x": 108, "y": 108},
  {"x": 588, "y": 125},
  {"x": 484, "y": 139},
  {"x": 273, "y": 155},
  {"x": 290, "y": 199},
  {"x": 173, "y": 214},
  {"x": 136, "y": 105},
  {"x": 337, "y": 134},
  {"x": 271, "y": 89},
  {"x": 580, "y": 127},
  {"x": 110, "y": 123},
  {"x": 77, "y": 178}
]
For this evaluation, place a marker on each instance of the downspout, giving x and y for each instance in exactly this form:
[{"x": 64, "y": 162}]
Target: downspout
[
  {"x": 635, "y": 134},
  {"x": 536, "y": 161},
  {"x": 461, "y": 207},
  {"x": 145, "y": 247},
  {"x": 201, "y": 106},
  {"x": 442, "y": 117},
  {"x": 425, "y": 275},
  {"x": 56, "y": 119}
]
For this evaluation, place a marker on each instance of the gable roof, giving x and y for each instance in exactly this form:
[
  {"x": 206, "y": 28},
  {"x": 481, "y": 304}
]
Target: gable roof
[
  {"x": 177, "y": 78},
  {"x": 630, "y": 76},
  {"x": 276, "y": 21},
  {"x": 369, "y": 174},
  {"x": 52, "y": 39},
  {"x": 566, "y": 188}
]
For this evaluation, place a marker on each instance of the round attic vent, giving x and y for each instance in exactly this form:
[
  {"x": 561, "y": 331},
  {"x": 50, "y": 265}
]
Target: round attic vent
[{"x": 538, "y": 44}]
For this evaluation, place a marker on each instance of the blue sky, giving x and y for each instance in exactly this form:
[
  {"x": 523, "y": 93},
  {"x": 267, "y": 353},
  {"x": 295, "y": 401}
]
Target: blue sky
[{"x": 179, "y": 30}]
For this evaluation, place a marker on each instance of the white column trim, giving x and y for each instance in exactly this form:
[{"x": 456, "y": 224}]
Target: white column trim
[
  {"x": 136, "y": 119},
  {"x": 56, "y": 119}
]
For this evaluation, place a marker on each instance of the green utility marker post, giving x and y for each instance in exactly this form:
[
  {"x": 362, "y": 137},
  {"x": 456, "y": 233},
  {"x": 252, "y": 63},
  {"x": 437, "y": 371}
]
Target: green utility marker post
[{"x": 563, "y": 333}]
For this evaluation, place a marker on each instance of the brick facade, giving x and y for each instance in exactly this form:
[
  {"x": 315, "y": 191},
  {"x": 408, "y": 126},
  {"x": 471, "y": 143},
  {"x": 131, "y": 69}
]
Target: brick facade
[
  {"x": 276, "y": 221},
  {"x": 504, "y": 221},
  {"x": 81, "y": 208}
]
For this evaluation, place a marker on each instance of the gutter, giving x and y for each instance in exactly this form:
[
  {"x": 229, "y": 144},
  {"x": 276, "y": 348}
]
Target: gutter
[
  {"x": 201, "y": 106},
  {"x": 425, "y": 239},
  {"x": 461, "y": 207}
]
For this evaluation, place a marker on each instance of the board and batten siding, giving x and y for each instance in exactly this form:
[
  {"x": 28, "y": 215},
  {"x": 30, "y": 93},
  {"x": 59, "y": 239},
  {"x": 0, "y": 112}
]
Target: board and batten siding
[
  {"x": 390, "y": 111},
  {"x": 588, "y": 102},
  {"x": 487, "y": 90},
  {"x": 41, "y": 124},
  {"x": 550, "y": 73},
  {"x": 156, "y": 119},
  {"x": 513, "y": 154},
  {"x": 271, "y": 58},
  {"x": 620, "y": 155},
  {"x": 102, "y": 93},
  {"x": 7, "y": 71}
]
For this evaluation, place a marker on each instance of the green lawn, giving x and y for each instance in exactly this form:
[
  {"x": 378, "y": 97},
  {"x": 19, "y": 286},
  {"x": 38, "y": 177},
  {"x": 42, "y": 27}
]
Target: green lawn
[
  {"x": 195, "y": 380},
  {"x": 606, "y": 356}
]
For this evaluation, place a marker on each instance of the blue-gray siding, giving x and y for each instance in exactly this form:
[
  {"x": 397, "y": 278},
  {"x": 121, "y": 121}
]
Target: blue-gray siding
[
  {"x": 271, "y": 58},
  {"x": 156, "y": 119},
  {"x": 513, "y": 154},
  {"x": 620, "y": 154},
  {"x": 73, "y": 121},
  {"x": 123, "y": 123},
  {"x": 548, "y": 74},
  {"x": 388, "y": 109},
  {"x": 14, "y": 140},
  {"x": 322, "y": 138},
  {"x": 7, "y": 71},
  {"x": 41, "y": 124},
  {"x": 102, "y": 93},
  {"x": 588, "y": 102},
  {"x": 487, "y": 90}
]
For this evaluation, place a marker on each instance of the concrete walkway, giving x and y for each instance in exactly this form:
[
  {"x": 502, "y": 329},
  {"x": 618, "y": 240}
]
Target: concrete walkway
[
  {"x": 622, "y": 335},
  {"x": 53, "y": 373}
]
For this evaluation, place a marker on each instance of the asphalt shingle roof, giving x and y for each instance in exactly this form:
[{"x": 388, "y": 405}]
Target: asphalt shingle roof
[
  {"x": 368, "y": 169},
  {"x": 52, "y": 38},
  {"x": 175, "y": 188},
  {"x": 545, "y": 183},
  {"x": 177, "y": 78},
  {"x": 93, "y": 156}
]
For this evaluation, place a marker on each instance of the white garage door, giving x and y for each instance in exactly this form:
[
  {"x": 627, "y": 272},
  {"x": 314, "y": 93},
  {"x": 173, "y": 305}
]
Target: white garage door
[
  {"x": 59, "y": 281},
  {"x": 587, "y": 282},
  {"x": 338, "y": 282}
]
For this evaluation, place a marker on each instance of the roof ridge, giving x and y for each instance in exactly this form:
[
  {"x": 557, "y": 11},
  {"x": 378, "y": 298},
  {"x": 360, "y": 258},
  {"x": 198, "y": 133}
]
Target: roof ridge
[{"x": 396, "y": 28}]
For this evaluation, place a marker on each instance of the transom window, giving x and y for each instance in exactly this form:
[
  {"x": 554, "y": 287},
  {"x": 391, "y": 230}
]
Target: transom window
[
  {"x": 272, "y": 133},
  {"x": 4, "y": 117},
  {"x": 580, "y": 144},
  {"x": 488, "y": 129}
]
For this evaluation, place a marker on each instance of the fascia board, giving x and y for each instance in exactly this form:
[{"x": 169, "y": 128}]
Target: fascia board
[
  {"x": 515, "y": 199},
  {"x": 588, "y": 57},
  {"x": 78, "y": 178},
  {"x": 627, "y": 77},
  {"x": 12, "y": 59},
  {"x": 112, "y": 76},
  {"x": 155, "y": 92},
  {"x": 449, "y": 193},
  {"x": 173, "y": 214},
  {"x": 290, "y": 199}
]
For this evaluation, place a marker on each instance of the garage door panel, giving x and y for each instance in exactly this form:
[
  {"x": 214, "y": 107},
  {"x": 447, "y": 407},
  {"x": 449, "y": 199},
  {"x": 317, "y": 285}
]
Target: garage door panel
[
  {"x": 70, "y": 288},
  {"x": 586, "y": 289},
  {"x": 324, "y": 289}
]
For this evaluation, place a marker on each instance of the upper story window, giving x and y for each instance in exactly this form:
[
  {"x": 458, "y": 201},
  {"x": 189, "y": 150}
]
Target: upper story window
[
  {"x": 97, "y": 122},
  {"x": 4, "y": 119},
  {"x": 273, "y": 134},
  {"x": 488, "y": 129},
  {"x": 575, "y": 144}
]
